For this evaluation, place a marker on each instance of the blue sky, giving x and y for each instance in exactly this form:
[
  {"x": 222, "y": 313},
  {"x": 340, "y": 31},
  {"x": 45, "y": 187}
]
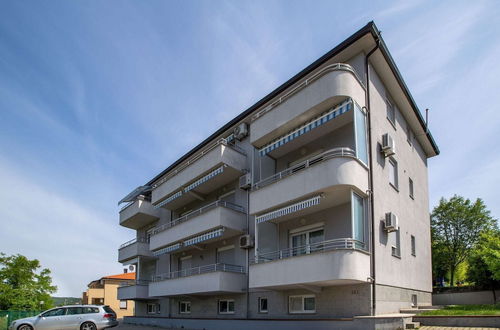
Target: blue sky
[{"x": 97, "y": 97}]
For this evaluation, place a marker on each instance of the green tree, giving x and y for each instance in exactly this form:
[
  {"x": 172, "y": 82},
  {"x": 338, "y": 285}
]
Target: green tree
[
  {"x": 456, "y": 226},
  {"x": 22, "y": 285}
]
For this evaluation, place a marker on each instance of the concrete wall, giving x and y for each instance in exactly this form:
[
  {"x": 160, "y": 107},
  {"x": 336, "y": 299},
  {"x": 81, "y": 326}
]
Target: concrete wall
[
  {"x": 134, "y": 250},
  {"x": 392, "y": 299},
  {"x": 464, "y": 298}
]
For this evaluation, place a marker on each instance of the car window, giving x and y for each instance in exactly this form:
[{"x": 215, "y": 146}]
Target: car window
[
  {"x": 74, "y": 310},
  {"x": 54, "y": 312},
  {"x": 90, "y": 310},
  {"x": 108, "y": 309}
]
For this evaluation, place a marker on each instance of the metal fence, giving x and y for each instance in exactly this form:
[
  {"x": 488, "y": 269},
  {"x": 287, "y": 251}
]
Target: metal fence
[
  {"x": 7, "y": 317},
  {"x": 220, "y": 267}
]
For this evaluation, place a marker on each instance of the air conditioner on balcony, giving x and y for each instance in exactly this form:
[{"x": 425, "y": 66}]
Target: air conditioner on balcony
[
  {"x": 246, "y": 241},
  {"x": 388, "y": 145},
  {"x": 391, "y": 222},
  {"x": 241, "y": 131},
  {"x": 246, "y": 181}
]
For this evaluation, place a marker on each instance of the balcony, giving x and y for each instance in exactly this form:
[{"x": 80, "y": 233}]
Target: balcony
[
  {"x": 138, "y": 214},
  {"x": 324, "y": 89},
  {"x": 208, "y": 279},
  {"x": 219, "y": 214},
  {"x": 333, "y": 262},
  {"x": 134, "y": 248},
  {"x": 133, "y": 290},
  {"x": 212, "y": 168},
  {"x": 328, "y": 173}
]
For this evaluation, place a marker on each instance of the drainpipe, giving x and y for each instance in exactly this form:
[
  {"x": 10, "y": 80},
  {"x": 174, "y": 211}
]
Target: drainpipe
[{"x": 370, "y": 174}]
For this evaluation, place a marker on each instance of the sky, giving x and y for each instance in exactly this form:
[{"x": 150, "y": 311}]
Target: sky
[{"x": 97, "y": 97}]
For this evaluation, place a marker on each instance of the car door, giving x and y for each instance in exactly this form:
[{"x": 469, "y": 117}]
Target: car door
[
  {"x": 73, "y": 318},
  {"x": 51, "y": 320}
]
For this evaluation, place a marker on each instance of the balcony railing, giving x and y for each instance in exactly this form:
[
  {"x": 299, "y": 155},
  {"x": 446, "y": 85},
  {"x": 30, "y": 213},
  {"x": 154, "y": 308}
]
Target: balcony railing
[
  {"x": 200, "y": 270},
  {"x": 332, "y": 153},
  {"x": 134, "y": 282},
  {"x": 194, "y": 214},
  {"x": 133, "y": 241},
  {"x": 334, "y": 244}
]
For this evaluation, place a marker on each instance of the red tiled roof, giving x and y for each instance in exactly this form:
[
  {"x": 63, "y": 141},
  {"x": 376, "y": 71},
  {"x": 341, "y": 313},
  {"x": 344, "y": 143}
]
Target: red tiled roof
[{"x": 126, "y": 276}]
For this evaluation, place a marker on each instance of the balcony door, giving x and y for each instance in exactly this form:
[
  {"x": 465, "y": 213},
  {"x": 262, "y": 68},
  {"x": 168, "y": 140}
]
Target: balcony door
[
  {"x": 306, "y": 240},
  {"x": 185, "y": 265}
]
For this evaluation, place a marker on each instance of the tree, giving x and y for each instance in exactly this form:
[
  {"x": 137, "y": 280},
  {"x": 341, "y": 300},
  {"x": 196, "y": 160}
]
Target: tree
[
  {"x": 22, "y": 287},
  {"x": 484, "y": 262},
  {"x": 456, "y": 226}
]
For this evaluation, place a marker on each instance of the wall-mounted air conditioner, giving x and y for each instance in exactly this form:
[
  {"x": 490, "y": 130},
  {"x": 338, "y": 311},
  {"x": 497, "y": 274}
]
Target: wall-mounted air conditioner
[
  {"x": 388, "y": 145},
  {"x": 391, "y": 222},
  {"x": 246, "y": 241}
]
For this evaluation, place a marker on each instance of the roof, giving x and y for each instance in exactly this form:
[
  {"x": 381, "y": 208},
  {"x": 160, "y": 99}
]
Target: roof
[
  {"x": 125, "y": 276},
  {"x": 369, "y": 28}
]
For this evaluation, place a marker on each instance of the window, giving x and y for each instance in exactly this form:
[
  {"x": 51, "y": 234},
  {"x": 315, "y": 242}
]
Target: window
[
  {"x": 90, "y": 310},
  {"x": 74, "y": 311},
  {"x": 151, "y": 308},
  {"x": 307, "y": 239},
  {"x": 358, "y": 217},
  {"x": 55, "y": 312},
  {"x": 302, "y": 304},
  {"x": 413, "y": 246},
  {"x": 158, "y": 308},
  {"x": 414, "y": 301},
  {"x": 226, "y": 306},
  {"x": 393, "y": 173},
  {"x": 410, "y": 187},
  {"x": 360, "y": 135},
  {"x": 184, "y": 307},
  {"x": 391, "y": 112},
  {"x": 123, "y": 304},
  {"x": 409, "y": 134},
  {"x": 262, "y": 305},
  {"x": 396, "y": 246}
]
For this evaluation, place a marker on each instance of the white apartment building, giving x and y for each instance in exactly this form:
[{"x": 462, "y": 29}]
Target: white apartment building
[{"x": 310, "y": 205}]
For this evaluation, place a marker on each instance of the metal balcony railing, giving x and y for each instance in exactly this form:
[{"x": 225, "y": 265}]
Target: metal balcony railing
[
  {"x": 334, "y": 244},
  {"x": 220, "y": 267},
  {"x": 133, "y": 283},
  {"x": 332, "y": 153},
  {"x": 194, "y": 214},
  {"x": 133, "y": 241}
]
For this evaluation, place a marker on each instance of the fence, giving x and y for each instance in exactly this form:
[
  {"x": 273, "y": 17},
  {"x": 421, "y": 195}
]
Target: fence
[{"x": 6, "y": 317}]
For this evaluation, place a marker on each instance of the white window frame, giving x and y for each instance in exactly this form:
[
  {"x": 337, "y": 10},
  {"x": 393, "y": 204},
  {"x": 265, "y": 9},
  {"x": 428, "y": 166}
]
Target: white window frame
[
  {"x": 187, "y": 307},
  {"x": 261, "y": 310},
  {"x": 302, "y": 311},
  {"x": 227, "y": 301},
  {"x": 396, "y": 249},
  {"x": 306, "y": 230},
  {"x": 409, "y": 134},
  {"x": 153, "y": 308},
  {"x": 393, "y": 163},
  {"x": 390, "y": 104},
  {"x": 126, "y": 304}
]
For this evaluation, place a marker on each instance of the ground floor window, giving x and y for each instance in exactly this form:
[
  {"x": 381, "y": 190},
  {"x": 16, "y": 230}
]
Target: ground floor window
[
  {"x": 262, "y": 305},
  {"x": 151, "y": 308},
  {"x": 302, "y": 304},
  {"x": 226, "y": 306},
  {"x": 184, "y": 307},
  {"x": 123, "y": 304}
]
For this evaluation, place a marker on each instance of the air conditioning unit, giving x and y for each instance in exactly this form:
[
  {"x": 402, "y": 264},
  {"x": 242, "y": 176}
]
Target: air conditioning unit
[
  {"x": 246, "y": 241},
  {"x": 246, "y": 181},
  {"x": 388, "y": 145},
  {"x": 241, "y": 131},
  {"x": 391, "y": 222}
]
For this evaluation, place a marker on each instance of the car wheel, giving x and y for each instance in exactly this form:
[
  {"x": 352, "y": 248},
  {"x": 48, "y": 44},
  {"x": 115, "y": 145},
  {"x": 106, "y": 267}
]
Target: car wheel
[
  {"x": 88, "y": 326},
  {"x": 25, "y": 327}
]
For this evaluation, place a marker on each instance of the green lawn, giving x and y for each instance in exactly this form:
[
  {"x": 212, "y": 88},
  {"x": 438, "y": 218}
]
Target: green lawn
[
  {"x": 3, "y": 323},
  {"x": 466, "y": 310}
]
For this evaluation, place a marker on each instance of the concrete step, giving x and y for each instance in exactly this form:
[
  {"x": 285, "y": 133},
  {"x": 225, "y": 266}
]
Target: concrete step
[
  {"x": 412, "y": 325},
  {"x": 430, "y": 307}
]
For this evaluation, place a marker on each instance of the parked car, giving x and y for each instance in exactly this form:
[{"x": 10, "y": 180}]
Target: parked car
[{"x": 81, "y": 317}]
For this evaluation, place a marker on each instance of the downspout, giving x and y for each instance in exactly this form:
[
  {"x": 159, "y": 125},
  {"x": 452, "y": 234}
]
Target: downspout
[{"x": 370, "y": 175}]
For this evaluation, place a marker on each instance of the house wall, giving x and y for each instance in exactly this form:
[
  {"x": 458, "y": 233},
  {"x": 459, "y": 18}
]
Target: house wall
[{"x": 110, "y": 299}]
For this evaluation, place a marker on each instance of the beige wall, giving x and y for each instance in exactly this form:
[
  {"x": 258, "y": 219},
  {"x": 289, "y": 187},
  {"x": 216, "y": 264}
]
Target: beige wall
[{"x": 109, "y": 293}]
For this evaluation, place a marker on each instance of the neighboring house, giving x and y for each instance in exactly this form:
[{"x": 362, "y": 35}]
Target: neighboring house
[
  {"x": 311, "y": 204},
  {"x": 104, "y": 292}
]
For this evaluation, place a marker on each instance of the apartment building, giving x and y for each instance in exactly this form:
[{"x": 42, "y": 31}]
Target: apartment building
[{"x": 311, "y": 204}]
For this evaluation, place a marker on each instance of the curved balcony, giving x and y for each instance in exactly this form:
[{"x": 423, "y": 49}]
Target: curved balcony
[
  {"x": 333, "y": 262},
  {"x": 206, "y": 279},
  {"x": 328, "y": 173},
  {"x": 134, "y": 248},
  {"x": 324, "y": 89},
  {"x": 212, "y": 168},
  {"x": 138, "y": 214},
  {"x": 215, "y": 215}
]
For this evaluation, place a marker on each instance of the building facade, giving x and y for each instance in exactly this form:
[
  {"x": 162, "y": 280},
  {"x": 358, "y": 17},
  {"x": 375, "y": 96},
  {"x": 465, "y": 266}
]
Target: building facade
[
  {"x": 104, "y": 292},
  {"x": 311, "y": 204}
]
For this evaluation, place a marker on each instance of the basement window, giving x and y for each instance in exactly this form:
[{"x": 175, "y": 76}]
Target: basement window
[
  {"x": 302, "y": 304},
  {"x": 226, "y": 306}
]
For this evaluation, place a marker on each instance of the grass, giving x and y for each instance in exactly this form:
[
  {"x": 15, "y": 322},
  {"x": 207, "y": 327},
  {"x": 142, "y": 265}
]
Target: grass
[
  {"x": 454, "y": 310},
  {"x": 3, "y": 323}
]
